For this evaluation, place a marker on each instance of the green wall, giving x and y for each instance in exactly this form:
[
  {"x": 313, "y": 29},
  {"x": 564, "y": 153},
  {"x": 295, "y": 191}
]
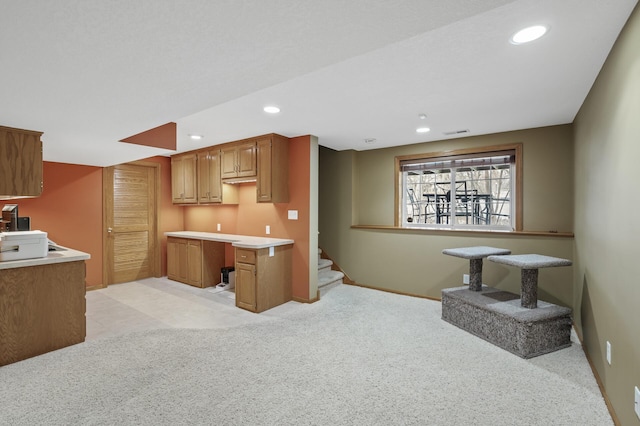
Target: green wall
[
  {"x": 607, "y": 229},
  {"x": 578, "y": 178},
  {"x": 357, "y": 188}
]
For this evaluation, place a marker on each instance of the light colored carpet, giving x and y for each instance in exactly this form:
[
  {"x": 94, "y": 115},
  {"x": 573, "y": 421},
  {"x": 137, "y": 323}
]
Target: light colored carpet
[{"x": 356, "y": 357}]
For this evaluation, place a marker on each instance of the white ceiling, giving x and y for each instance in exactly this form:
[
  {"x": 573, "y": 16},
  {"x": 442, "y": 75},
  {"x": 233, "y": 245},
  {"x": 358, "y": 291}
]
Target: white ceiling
[{"x": 89, "y": 73}]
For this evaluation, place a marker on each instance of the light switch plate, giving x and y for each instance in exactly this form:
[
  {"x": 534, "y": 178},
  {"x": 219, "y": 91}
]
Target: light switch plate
[
  {"x": 637, "y": 401},
  {"x": 609, "y": 352},
  {"x": 267, "y": 230},
  {"x": 293, "y": 214},
  {"x": 272, "y": 251},
  {"x": 218, "y": 227}
]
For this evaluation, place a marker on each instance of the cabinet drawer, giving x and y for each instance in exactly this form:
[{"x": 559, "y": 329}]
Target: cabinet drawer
[{"x": 246, "y": 256}]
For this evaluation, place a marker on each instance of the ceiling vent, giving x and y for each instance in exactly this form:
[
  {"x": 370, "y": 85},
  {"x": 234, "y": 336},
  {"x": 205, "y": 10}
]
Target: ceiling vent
[{"x": 456, "y": 132}]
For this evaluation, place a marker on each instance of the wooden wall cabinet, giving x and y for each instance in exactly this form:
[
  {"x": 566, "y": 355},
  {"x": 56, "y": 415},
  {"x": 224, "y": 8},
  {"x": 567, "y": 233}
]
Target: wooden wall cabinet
[
  {"x": 210, "y": 187},
  {"x": 272, "y": 185},
  {"x": 239, "y": 160},
  {"x": 206, "y": 176},
  {"x": 20, "y": 163},
  {"x": 209, "y": 181},
  {"x": 263, "y": 281},
  {"x": 184, "y": 179},
  {"x": 194, "y": 262}
]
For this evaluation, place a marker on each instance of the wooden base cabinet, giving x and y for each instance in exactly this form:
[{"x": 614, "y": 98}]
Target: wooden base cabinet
[
  {"x": 42, "y": 308},
  {"x": 194, "y": 262},
  {"x": 263, "y": 281}
]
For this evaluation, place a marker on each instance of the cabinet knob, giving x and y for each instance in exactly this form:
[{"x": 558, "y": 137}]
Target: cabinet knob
[{"x": 109, "y": 230}]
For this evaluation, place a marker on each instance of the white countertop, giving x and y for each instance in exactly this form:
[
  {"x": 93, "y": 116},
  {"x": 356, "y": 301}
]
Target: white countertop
[
  {"x": 242, "y": 241},
  {"x": 61, "y": 255}
]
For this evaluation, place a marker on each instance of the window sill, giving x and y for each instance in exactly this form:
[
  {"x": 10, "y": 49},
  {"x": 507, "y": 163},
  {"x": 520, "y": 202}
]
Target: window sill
[{"x": 466, "y": 231}]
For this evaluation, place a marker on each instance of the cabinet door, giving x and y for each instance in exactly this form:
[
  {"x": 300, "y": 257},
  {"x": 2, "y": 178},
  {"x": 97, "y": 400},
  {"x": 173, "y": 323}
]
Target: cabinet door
[
  {"x": 172, "y": 259},
  {"x": 228, "y": 162},
  {"x": 263, "y": 184},
  {"x": 183, "y": 179},
  {"x": 246, "y": 286},
  {"x": 247, "y": 159},
  {"x": 194, "y": 262},
  {"x": 203, "y": 177},
  {"x": 272, "y": 184},
  {"x": 177, "y": 259},
  {"x": 189, "y": 170},
  {"x": 215, "y": 182},
  {"x": 177, "y": 180},
  {"x": 21, "y": 159}
]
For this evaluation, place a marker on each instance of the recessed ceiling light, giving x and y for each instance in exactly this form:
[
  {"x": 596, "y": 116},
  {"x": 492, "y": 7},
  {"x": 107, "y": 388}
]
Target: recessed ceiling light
[
  {"x": 422, "y": 116},
  {"x": 528, "y": 34},
  {"x": 271, "y": 109},
  {"x": 195, "y": 137},
  {"x": 423, "y": 130}
]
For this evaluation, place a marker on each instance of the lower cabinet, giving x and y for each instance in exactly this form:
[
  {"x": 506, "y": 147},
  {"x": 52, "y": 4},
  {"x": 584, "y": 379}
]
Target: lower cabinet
[
  {"x": 194, "y": 262},
  {"x": 263, "y": 277},
  {"x": 42, "y": 308}
]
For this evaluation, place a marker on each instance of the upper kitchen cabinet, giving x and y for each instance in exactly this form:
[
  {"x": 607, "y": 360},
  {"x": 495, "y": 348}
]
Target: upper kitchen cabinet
[
  {"x": 209, "y": 182},
  {"x": 210, "y": 187},
  {"x": 272, "y": 185},
  {"x": 20, "y": 163},
  {"x": 184, "y": 178},
  {"x": 239, "y": 160}
]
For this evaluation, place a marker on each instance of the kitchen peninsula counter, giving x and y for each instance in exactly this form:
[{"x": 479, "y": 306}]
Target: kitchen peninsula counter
[
  {"x": 42, "y": 304},
  {"x": 59, "y": 255},
  {"x": 241, "y": 241}
]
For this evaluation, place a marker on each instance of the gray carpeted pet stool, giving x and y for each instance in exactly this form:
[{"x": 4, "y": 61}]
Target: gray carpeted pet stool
[{"x": 520, "y": 325}]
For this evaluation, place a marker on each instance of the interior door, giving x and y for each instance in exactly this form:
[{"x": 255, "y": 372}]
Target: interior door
[{"x": 130, "y": 239}]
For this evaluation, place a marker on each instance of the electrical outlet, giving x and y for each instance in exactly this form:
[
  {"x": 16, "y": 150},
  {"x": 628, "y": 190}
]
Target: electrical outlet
[
  {"x": 218, "y": 227},
  {"x": 609, "y": 352},
  {"x": 465, "y": 279},
  {"x": 267, "y": 229},
  {"x": 637, "y": 402}
]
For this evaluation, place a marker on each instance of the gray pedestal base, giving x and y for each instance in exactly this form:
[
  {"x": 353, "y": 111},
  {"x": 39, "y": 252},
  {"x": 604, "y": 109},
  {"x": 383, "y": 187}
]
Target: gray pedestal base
[{"x": 497, "y": 317}]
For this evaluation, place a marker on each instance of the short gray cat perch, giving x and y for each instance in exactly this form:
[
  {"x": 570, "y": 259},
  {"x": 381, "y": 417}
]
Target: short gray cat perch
[{"x": 521, "y": 325}]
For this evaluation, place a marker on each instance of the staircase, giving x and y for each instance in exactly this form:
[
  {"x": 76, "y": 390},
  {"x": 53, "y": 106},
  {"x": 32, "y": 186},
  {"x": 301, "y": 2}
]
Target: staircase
[{"x": 327, "y": 278}]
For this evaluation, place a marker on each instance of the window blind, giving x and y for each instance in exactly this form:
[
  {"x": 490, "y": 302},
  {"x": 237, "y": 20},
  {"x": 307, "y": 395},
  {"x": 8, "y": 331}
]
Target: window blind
[{"x": 439, "y": 163}]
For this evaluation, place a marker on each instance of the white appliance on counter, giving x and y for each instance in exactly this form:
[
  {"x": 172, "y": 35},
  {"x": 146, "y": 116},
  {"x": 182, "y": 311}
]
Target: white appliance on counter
[{"x": 20, "y": 245}]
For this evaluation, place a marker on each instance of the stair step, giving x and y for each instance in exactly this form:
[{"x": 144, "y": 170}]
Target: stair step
[
  {"x": 326, "y": 278},
  {"x": 324, "y": 265}
]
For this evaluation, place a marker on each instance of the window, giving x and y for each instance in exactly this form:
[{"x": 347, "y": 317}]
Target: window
[{"x": 466, "y": 189}]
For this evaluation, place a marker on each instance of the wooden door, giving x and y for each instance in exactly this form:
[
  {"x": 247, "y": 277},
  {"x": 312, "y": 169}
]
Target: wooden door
[{"x": 130, "y": 241}]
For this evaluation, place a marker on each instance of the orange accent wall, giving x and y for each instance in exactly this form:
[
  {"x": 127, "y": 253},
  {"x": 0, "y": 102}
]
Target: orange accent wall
[
  {"x": 70, "y": 210},
  {"x": 250, "y": 217},
  {"x": 170, "y": 216}
]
